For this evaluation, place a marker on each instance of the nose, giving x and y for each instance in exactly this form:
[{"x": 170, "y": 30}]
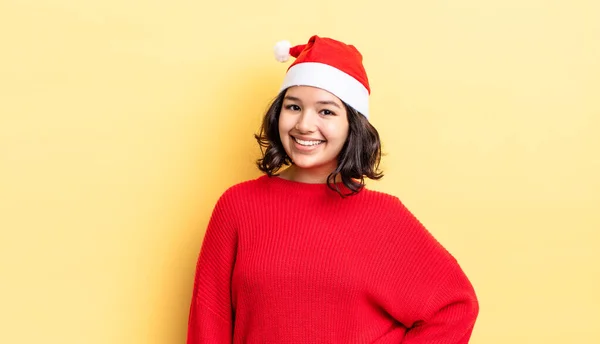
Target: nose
[{"x": 306, "y": 122}]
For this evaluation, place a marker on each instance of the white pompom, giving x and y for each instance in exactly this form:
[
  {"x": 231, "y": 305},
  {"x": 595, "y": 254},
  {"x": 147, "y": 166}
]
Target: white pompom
[{"x": 282, "y": 51}]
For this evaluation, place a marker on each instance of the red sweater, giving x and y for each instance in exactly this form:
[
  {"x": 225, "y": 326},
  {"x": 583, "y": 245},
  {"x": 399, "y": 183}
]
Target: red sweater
[{"x": 288, "y": 262}]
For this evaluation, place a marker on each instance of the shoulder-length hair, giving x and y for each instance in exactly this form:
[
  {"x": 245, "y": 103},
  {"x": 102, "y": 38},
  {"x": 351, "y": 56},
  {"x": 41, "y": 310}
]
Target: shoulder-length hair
[{"x": 359, "y": 157}]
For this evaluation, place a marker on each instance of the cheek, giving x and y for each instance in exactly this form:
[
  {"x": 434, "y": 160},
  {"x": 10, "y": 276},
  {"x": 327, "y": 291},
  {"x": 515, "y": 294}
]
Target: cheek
[
  {"x": 336, "y": 132},
  {"x": 284, "y": 124}
]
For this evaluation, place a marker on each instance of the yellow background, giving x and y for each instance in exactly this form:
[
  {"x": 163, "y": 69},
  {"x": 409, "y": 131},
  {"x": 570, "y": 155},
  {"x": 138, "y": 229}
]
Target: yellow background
[{"x": 121, "y": 122}]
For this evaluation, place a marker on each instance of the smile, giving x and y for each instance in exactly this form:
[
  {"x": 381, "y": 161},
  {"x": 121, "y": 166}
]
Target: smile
[{"x": 307, "y": 143}]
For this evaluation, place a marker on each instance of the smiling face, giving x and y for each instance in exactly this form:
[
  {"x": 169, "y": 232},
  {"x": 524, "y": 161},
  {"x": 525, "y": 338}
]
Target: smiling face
[{"x": 313, "y": 127}]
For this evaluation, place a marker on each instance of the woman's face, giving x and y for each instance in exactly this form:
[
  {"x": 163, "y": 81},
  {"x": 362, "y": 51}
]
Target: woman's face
[{"x": 313, "y": 127}]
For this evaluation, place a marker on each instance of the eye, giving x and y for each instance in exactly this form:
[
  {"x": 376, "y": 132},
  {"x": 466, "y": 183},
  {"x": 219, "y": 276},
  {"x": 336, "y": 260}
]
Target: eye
[
  {"x": 327, "y": 112},
  {"x": 292, "y": 107}
]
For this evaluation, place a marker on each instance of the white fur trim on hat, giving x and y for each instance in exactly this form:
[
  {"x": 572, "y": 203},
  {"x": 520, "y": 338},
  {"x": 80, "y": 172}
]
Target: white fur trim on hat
[
  {"x": 282, "y": 51},
  {"x": 331, "y": 79}
]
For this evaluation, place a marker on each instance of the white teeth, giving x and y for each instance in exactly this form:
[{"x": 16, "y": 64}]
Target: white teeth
[{"x": 307, "y": 143}]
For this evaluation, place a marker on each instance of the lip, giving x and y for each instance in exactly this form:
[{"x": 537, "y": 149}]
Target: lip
[
  {"x": 304, "y": 138},
  {"x": 302, "y": 148}
]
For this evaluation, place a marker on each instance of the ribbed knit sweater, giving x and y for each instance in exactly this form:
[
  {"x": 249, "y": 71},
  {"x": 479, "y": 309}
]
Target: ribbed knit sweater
[{"x": 289, "y": 262}]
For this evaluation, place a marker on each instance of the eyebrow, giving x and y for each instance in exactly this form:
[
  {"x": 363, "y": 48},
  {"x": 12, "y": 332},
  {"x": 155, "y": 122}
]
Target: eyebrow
[{"x": 325, "y": 102}]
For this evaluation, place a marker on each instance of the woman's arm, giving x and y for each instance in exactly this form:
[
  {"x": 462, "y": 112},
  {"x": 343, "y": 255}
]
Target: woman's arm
[
  {"x": 211, "y": 313},
  {"x": 434, "y": 299},
  {"x": 450, "y": 314}
]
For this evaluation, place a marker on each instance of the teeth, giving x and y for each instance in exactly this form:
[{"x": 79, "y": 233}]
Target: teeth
[{"x": 307, "y": 143}]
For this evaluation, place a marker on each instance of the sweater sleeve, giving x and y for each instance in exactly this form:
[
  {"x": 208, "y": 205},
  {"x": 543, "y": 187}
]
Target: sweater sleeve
[
  {"x": 450, "y": 315},
  {"x": 211, "y": 313},
  {"x": 440, "y": 305}
]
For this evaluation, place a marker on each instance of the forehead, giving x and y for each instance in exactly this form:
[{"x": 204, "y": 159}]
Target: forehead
[{"x": 310, "y": 93}]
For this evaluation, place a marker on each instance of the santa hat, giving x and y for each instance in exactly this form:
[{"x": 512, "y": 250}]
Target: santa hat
[{"x": 330, "y": 65}]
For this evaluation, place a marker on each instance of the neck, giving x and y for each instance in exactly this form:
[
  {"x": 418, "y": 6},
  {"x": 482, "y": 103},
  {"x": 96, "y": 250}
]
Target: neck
[{"x": 309, "y": 176}]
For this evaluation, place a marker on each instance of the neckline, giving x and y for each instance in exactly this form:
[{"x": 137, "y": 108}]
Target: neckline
[{"x": 296, "y": 186}]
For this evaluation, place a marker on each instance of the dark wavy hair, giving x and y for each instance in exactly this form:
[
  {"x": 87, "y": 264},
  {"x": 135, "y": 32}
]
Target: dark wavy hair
[{"x": 359, "y": 157}]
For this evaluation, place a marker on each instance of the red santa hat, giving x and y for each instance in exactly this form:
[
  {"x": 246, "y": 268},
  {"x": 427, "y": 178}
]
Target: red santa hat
[{"x": 330, "y": 65}]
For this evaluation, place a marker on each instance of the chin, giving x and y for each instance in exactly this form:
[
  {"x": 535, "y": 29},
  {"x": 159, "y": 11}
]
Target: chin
[{"x": 308, "y": 165}]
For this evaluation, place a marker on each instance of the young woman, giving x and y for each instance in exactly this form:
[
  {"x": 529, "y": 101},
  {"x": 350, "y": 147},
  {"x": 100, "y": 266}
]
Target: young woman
[{"x": 308, "y": 254}]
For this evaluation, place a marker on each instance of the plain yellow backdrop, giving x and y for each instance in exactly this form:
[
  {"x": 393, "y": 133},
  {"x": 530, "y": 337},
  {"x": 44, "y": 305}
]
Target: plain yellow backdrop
[{"x": 121, "y": 122}]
